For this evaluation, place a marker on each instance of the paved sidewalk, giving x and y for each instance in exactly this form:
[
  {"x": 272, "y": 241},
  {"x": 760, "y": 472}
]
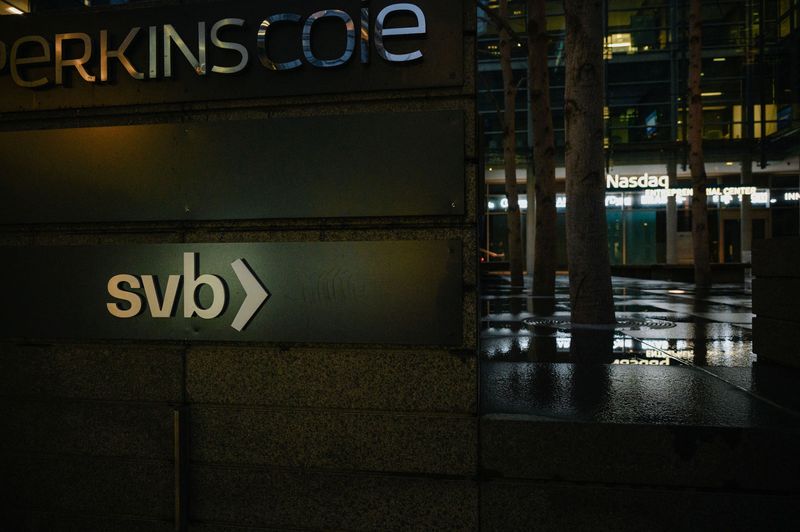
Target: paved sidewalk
[{"x": 693, "y": 365}]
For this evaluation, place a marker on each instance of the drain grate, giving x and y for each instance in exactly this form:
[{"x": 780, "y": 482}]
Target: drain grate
[{"x": 554, "y": 323}]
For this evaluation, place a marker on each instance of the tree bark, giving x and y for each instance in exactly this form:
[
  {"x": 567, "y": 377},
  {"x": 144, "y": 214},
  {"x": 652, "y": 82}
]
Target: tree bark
[
  {"x": 590, "y": 288},
  {"x": 514, "y": 250},
  {"x": 700, "y": 241},
  {"x": 544, "y": 152}
]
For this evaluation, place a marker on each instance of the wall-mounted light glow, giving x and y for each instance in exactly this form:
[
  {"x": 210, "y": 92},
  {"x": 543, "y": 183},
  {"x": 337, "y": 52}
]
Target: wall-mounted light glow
[
  {"x": 710, "y": 94},
  {"x": 719, "y": 59}
]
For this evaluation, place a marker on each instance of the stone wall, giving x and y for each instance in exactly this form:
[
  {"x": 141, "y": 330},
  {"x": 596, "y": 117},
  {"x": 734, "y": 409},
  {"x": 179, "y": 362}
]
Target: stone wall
[
  {"x": 776, "y": 301},
  {"x": 133, "y": 435}
]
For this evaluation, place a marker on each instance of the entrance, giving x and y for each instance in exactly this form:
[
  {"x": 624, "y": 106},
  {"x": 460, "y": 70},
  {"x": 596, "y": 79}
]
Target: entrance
[{"x": 731, "y": 245}]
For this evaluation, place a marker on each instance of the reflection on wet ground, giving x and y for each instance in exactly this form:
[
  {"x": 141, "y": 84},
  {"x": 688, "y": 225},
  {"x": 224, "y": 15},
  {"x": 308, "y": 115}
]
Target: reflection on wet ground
[{"x": 695, "y": 365}]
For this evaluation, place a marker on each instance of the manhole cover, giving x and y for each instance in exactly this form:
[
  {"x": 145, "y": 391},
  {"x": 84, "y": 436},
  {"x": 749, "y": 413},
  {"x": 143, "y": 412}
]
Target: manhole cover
[{"x": 554, "y": 323}]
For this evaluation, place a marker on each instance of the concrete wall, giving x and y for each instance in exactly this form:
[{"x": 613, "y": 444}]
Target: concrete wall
[{"x": 141, "y": 436}]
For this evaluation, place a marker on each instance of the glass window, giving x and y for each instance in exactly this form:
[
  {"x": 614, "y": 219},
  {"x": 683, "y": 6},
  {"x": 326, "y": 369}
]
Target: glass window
[
  {"x": 14, "y": 7},
  {"x": 640, "y": 235},
  {"x": 616, "y": 238}
]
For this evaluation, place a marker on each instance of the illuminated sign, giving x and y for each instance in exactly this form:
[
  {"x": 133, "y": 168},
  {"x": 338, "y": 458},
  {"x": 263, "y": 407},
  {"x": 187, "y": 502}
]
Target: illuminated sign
[
  {"x": 646, "y": 181},
  {"x": 280, "y": 47},
  {"x": 716, "y": 195},
  {"x": 500, "y": 203},
  {"x": 791, "y": 196},
  {"x": 37, "y": 49},
  {"x": 725, "y": 196}
]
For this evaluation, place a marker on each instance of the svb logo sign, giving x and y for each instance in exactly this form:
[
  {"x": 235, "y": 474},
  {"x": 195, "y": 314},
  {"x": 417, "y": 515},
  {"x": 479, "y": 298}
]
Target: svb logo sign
[{"x": 162, "y": 301}]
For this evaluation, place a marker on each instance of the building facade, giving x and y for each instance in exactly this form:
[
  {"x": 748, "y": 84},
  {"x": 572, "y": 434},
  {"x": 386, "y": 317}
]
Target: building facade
[{"x": 752, "y": 126}]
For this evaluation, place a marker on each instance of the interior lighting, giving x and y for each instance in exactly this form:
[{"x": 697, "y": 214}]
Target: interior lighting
[
  {"x": 719, "y": 59},
  {"x": 13, "y": 10},
  {"x": 705, "y": 94}
]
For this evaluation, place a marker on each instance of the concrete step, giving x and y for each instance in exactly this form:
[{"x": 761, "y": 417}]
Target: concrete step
[{"x": 604, "y": 447}]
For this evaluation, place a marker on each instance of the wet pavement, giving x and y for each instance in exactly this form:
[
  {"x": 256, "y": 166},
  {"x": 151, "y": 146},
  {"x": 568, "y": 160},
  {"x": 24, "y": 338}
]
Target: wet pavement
[{"x": 682, "y": 358}]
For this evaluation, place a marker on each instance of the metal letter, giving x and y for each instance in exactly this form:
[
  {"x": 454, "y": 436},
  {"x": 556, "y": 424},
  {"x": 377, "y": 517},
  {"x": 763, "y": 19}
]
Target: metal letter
[
  {"x": 198, "y": 63},
  {"x": 256, "y": 294},
  {"x": 153, "y": 52},
  {"x": 351, "y": 38},
  {"x": 229, "y": 46},
  {"x": 381, "y": 32},
  {"x": 16, "y": 61},
  {"x": 116, "y": 291},
  {"x": 263, "y": 49},
  {"x": 119, "y": 54},
  {"x": 191, "y": 284},
  {"x": 365, "y": 32},
  {"x": 77, "y": 63},
  {"x": 166, "y": 308}
]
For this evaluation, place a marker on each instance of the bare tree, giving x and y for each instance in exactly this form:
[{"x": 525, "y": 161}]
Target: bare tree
[
  {"x": 510, "y": 149},
  {"x": 590, "y": 289},
  {"x": 702, "y": 259},
  {"x": 544, "y": 153}
]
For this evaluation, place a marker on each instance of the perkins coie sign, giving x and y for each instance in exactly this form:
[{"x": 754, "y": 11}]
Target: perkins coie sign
[
  {"x": 249, "y": 48},
  {"x": 38, "y": 50}
]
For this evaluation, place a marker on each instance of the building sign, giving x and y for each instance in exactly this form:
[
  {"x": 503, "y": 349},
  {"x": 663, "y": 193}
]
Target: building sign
[
  {"x": 127, "y": 303},
  {"x": 642, "y": 182},
  {"x": 399, "y": 292},
  {"x": 711, "y": 191},
  {"x": 717, "y": 196},
  {"x": 227, "y": 50}
]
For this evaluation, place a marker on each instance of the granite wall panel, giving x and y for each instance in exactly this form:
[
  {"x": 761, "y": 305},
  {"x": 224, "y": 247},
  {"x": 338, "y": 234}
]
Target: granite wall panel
[
  {"x": 281, "y": 498},
  {"x": 274, "y": 435}
]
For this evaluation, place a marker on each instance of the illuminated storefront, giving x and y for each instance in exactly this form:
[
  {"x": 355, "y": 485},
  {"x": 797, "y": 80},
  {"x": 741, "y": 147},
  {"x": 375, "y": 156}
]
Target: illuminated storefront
[{"x": 637, "y": 219}]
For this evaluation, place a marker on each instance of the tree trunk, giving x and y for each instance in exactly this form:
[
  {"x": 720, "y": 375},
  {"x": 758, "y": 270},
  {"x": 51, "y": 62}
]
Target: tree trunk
[
  {"x": 702, "y": 259},
  {"x": 544, "y": 152},
  {"x": 590, "y": 289},
  {"x": 514, "y": 251}
]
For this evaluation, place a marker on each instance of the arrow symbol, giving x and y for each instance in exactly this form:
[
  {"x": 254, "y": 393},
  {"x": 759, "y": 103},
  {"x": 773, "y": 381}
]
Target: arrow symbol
[{"x": 257, "y": 295}]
